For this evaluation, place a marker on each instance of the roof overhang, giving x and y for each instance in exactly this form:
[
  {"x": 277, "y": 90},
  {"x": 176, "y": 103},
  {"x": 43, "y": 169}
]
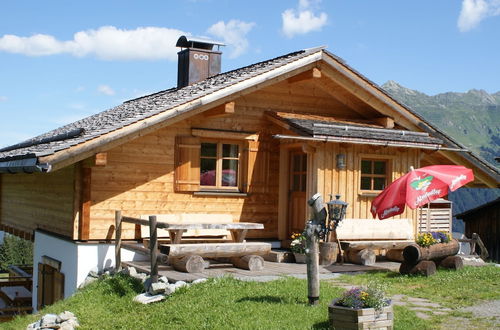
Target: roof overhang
[{"x": 24, "y": 165}]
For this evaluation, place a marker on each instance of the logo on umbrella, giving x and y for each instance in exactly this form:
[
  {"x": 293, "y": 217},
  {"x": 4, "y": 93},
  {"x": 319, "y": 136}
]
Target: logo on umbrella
[{"x": 422, "y": 184}]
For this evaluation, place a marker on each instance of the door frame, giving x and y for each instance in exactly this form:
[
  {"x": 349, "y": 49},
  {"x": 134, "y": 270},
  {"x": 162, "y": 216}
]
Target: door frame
[{"x": 284, "y": 183}]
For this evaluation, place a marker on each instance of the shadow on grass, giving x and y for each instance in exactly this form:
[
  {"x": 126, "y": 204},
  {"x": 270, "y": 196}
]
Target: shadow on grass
[
  {"x": 120, "y": 286},
  {"x": 321, "y": 325},
  {"x": 263, "y": 299}
]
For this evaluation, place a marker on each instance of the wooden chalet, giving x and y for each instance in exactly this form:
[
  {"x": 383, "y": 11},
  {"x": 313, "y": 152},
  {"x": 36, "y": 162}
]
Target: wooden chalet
[{"x": 252, "y": 143}]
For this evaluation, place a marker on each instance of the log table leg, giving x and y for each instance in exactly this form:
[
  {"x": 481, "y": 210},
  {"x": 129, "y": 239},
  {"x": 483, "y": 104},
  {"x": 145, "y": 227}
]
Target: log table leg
[
  {"x": 250, "y": 262},
  {"x": 452, "y": 262},
  {"x": 362, "y": 257},
  {"x": 188, "y": 264},
  {"x": 424, "y": 267}
]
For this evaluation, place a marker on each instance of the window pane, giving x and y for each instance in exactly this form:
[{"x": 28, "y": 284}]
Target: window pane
[
  {"x": 230, "y": 150},
  {"x": 378, "y": 183},
  {"x": 304, "y": 163},
  {"x": 303, "y": 182},
  {"x": 229, "y": 172},
  {"x": 207, "y": 171},
  {"x": 379, "y": 167},
  {"x": 209, "y": 149},
  {"x": 366, "y": 183},
  {"x": 366, "y": 166}
]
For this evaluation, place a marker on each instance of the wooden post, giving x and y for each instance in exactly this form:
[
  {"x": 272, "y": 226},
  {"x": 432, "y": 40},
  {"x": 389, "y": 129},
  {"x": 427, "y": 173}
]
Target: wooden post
[
  {"x": 312, "y": 261},
  {"x": 118, "y": 240},
  {"x": 153, "y": 245},
  {"x": 313, "y": 229}
]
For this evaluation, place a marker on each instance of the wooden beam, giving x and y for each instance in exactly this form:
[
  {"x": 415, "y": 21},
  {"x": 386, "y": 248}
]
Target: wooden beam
[
  {"x": 101, "y": 159},
  {"x": 231, "y": 135},
  {"x": 277, "y": 121},
  {"x": 84, "y": 223},
  {"x": 221, "y": 110},
  {"x": 387, "y": 122},
  {"x": 315, "y": 73},
  {"x": 367, "y": 93},
  {"x": 344, "y": 96},
  {"x": 308, "y": 148}
]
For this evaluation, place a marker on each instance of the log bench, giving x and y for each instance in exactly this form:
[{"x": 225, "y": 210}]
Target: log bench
[{"x": 360, "y": 237}]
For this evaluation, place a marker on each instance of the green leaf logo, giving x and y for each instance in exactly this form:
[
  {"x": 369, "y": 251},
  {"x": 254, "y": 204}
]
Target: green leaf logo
[{"x": 422, "y": 184}]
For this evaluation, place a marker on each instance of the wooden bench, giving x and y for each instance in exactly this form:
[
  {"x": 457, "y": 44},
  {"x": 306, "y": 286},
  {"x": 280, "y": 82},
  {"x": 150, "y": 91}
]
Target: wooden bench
[{"x": 360, "y": 237}]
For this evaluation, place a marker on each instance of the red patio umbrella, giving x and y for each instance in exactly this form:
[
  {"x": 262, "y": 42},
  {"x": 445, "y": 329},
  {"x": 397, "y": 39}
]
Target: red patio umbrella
[{"x": 418, "y": 187}]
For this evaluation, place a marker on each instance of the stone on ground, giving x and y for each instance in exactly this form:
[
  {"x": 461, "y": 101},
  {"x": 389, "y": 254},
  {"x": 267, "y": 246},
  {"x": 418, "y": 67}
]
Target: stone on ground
[{"x": 146, "y": 298}]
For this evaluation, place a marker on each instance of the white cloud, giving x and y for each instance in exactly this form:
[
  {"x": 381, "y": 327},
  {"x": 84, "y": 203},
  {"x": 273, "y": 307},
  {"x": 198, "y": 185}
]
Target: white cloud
[
  {"x": 107, "y": 42},
  {"x": 474, "y": 11},
  {"x": 3, "y": 98},
  {"x": 303, "y": 20},
  {"x": 233, "y": 34},
  {"x": 106, "y": 90}
]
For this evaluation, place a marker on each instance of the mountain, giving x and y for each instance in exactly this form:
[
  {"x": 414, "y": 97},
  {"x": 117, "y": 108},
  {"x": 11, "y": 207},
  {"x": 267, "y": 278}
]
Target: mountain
[{"x": 471, "y": 118}]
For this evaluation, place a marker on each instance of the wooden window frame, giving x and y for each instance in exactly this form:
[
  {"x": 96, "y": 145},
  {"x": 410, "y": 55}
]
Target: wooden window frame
[
  {"x": 218, "y": 167},
  {"x": 388, "y": 172}
]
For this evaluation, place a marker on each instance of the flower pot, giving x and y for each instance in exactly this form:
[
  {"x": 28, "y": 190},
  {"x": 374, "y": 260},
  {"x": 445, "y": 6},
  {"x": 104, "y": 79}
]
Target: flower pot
[
  {"x": 327, "y": 253},
  {"x": 365, "y": 318},
  {"x": 300, "y": 258}
]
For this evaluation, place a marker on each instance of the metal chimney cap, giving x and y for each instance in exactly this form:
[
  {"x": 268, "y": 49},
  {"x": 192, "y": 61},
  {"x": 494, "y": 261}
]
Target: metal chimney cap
[{"x": 199, "y": 43}]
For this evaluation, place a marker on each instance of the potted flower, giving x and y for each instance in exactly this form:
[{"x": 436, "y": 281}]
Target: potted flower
[
  {"x": 298, "y": 247},
  {"x": 360, "y": 308}
]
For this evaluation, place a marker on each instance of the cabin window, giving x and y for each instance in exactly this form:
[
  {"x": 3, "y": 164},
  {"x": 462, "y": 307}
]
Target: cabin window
[
  {"x": 220, "y": 165},
  {"x": 374, "y": 174}
]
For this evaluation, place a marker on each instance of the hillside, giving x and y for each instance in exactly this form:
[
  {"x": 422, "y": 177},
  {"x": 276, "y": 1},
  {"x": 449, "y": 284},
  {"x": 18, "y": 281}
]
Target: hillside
[{"x": 471, "y": 118}]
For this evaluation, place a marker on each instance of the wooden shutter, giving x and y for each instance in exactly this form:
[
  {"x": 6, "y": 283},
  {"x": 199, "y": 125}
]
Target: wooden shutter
[
  {"x": 39, "y": 290},
  {"x": 187, "y": 163},
  {"x": 58, "y": 286},
  {"x": 257, "y": 167}
]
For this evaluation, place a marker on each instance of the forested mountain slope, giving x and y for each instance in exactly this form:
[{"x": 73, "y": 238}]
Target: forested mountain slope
[{"x": 471, "y": 118}]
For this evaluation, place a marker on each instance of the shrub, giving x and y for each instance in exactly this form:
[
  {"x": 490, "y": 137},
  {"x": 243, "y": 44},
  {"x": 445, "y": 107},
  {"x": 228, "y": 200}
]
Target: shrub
[{"x": 15, "y": 251}]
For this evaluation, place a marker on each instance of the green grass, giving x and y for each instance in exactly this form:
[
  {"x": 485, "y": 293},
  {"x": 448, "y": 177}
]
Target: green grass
[
  {"x": 450, "y": 288},
  {"x": 225, "y": 303}
]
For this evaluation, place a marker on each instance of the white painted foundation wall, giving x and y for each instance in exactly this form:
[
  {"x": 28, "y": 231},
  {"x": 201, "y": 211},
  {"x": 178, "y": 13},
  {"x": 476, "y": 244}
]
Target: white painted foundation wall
[{"x": 77, "y": 259}]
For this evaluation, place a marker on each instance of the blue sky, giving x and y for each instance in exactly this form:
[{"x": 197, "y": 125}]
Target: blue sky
[{"x": 64, "y": 60}]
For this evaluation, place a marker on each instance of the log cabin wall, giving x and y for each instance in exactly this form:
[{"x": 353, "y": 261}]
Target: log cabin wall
[
  {"x": 139, "y": 179},
  {"x": 38, "y": 201},
  {"x": 346, "y": 182},
  {"x": 139, "y": 175}
]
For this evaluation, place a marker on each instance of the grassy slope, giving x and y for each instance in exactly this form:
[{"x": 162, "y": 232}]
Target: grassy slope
[{"x": 227, "y": 303}]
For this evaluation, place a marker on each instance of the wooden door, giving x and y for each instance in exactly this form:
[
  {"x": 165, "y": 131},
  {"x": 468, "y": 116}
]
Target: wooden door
[
  {"x": 297, "y": 192},
  {"x": 50, "y": 285}
]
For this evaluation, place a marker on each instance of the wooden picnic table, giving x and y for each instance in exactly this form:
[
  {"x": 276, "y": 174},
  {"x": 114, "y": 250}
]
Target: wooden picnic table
[
  {"x": 189, "y": 257},
  {"x": 238, "y": 230}
]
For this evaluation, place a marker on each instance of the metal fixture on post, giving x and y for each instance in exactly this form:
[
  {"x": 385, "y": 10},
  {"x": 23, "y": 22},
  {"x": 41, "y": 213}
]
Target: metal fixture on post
[
  {"x": 336, "y": 213},
  {"x": 313, "y": 229},
  {"x": 340, "y": 161}
]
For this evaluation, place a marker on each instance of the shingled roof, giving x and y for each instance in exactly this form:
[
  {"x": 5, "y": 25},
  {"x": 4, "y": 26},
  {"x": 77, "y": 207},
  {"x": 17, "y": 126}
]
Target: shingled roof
[
  {"x": 137, "y": 109},
  {"x": 321, "y": 127}
]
